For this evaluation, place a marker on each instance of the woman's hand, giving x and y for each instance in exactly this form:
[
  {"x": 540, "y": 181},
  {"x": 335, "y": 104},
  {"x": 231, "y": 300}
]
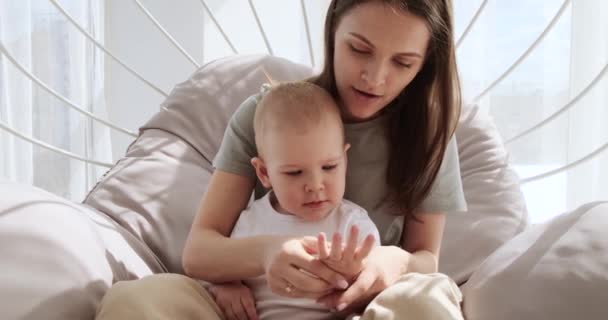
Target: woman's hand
[
  {"x": 235, "y": 300},
  {"x": 382, "y": 268},
  {"x": 346, "y": 259},
  {"x": 292, "y": 271}
]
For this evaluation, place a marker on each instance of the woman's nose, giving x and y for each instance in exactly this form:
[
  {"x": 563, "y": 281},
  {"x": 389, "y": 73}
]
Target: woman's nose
[{"x": 374, "y": 74}]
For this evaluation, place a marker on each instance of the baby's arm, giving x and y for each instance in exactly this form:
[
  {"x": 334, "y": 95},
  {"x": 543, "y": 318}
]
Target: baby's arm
[{"x": 235, "y": 299}]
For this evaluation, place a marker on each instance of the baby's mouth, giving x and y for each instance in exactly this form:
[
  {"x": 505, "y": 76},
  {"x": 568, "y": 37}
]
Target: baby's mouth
[{"x": 314, "y": 204}]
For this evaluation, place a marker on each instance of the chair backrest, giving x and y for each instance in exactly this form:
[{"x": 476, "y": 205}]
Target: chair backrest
[{"x": 155, "y": 190}]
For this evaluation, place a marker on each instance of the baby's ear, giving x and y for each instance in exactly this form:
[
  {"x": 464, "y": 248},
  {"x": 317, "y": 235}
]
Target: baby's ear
[{"x": 261, "y": 171}]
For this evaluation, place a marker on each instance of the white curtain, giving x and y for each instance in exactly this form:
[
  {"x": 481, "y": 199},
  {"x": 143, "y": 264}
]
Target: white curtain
[
  {"x": 588, "y": 122},
  {"x": 561, "y": 65},
  {"x": 40, "y": 38}
]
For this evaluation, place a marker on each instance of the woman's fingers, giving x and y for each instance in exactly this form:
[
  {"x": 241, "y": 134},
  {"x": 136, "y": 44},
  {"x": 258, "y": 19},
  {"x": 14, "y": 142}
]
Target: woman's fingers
[
  {"x": 306, "y": 280},
  {"x": 351, "y": 243},
  {"x": 322, "y": 244},
  {"x": 356, "y": 291},
  {"x": 304, "y": 261},
  {"x": 308, "y": 274},
  {"x": 336, "y": 247},
  {"x": 321, "y": 270},
  {"x": 366, "y": 248},
  {"x": 284, "y": 288}
]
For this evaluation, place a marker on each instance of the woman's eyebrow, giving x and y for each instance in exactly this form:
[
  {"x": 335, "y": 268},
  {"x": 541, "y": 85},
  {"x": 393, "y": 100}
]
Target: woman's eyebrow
[
  {"x": 404, "y": 54},
  {"x": 362, "y": 38}
]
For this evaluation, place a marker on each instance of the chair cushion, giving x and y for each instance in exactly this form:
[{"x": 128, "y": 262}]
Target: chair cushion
[
  {"x": 156, "y": 189},
  {"x": 59, "y": 258},
  {"x": 557, "y": 270}
]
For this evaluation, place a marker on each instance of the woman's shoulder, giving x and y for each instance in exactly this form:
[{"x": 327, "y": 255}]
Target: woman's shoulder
[{"x": 246, "y": 110}]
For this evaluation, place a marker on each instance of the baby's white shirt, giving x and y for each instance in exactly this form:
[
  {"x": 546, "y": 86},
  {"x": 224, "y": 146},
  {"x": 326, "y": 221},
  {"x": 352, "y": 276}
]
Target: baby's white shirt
[{"x": 260, "y": 218}]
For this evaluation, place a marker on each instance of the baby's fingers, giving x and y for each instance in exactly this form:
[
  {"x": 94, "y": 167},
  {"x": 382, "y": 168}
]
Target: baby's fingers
[
  {"x": 365, "y": 248},
  {"x": 336, "y": 247},
  {"x": 351, "y": 244},
  {"x": 322, "y": 243},
  {"x": 249, "y": 306},
  {"x": 238, "y": 310}
]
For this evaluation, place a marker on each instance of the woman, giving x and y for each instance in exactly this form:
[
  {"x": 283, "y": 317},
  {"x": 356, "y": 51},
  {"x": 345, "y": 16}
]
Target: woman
[{"x": 391, "y": 66}]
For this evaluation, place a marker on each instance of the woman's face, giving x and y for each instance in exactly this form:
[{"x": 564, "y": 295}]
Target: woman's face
[{"x": 378, "y": 51}]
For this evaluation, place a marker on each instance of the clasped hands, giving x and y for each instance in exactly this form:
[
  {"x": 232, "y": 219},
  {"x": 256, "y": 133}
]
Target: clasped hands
[{"x": 338, "y": 274}]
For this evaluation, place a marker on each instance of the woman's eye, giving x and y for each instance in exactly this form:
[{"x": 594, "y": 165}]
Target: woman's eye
[
  {"x": 403, "y": 64},
  {"x": 329, "y": 168},
  {"x": 357, "y": 50},
  {"x": 293, "y": 173}
]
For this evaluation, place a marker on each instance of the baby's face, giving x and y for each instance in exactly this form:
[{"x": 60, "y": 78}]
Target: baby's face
[{"x": 307, "y": 171}]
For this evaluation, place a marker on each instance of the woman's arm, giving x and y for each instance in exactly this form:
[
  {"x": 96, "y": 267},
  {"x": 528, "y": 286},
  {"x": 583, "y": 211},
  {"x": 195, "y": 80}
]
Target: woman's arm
[
  {"x": 422, "y": 242},
  {"x": 208, "y": 248}
]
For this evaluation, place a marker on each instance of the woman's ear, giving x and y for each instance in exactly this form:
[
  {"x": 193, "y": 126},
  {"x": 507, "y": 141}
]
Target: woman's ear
[
  {"x": 346, "y": 147},
  {"x": 261, "y": 171}
]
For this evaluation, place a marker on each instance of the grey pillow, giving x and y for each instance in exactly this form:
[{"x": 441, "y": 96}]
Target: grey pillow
[
  {"x": 59, "y": 258},
  {"x": 496, "y": 207},
  {"x": 557, "y": 270}
]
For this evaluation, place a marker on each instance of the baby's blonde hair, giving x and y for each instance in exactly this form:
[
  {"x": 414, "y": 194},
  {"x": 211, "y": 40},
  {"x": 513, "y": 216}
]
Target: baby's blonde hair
[{"x": 295, "y": 106}]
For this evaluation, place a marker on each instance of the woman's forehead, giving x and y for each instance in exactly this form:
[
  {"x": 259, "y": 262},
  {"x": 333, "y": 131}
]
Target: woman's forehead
[{"x": 385, "y": 27}]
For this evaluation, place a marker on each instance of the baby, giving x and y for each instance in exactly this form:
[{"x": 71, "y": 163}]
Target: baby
[{"x": 301, "y": 148}]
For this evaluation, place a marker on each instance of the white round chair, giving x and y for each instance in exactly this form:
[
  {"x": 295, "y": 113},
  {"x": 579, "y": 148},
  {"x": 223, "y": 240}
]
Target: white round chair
[{"x": 134, "y": 222}]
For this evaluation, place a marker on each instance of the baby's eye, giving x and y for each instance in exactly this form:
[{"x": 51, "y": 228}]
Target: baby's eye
[
  {"x": 293, "y": 173},
  {"x": 330, "y": 167}
]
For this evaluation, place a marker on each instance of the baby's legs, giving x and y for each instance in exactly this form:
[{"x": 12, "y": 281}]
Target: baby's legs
[{"x": 159, "y": 297}]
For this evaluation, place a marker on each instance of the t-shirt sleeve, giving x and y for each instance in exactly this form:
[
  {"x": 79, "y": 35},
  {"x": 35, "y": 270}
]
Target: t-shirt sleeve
[
  {"x": 446, "y": 192},
  {"x": 238, "y": 144}
]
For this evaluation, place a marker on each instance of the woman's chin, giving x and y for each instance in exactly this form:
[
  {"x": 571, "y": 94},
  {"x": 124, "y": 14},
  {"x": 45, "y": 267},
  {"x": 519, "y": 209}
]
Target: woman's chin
[{"x": 360, "y": 116}]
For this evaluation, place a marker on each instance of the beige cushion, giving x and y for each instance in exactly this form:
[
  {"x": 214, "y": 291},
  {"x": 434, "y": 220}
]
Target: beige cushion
[
  {"x": 557, "y": 270},
  {"x": 156, "y": 189},
  {"x": 58, "y": 258},
  {"x": 496, "y": 206}
]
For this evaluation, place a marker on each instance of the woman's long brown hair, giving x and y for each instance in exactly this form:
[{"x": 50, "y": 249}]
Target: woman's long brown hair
[{"x": 424, "y": 116}]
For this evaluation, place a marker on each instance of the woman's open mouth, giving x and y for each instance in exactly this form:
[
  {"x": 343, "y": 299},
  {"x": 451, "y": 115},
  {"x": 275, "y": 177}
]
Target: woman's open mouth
[{"x": 366, "y": 95}]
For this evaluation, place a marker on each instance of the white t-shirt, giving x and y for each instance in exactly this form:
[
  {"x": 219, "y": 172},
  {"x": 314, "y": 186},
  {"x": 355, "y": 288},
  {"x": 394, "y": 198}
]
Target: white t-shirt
[{"x": 260, "y": 218}]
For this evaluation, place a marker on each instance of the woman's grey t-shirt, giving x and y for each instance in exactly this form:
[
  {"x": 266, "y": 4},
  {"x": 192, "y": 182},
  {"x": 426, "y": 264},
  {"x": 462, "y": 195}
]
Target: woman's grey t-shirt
[{"x": 366, "y": 174}]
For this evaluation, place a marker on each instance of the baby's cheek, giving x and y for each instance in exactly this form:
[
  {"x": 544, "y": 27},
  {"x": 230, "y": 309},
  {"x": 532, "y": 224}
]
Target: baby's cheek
[
  {"x": 294, "y": 198},
  {"x": 337, "y": 191}
]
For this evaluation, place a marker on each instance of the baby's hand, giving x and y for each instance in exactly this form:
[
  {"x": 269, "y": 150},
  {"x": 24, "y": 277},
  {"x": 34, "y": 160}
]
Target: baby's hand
[
  {"x": 235, "y": 300},
  {"x": 347, "y": 260}
]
